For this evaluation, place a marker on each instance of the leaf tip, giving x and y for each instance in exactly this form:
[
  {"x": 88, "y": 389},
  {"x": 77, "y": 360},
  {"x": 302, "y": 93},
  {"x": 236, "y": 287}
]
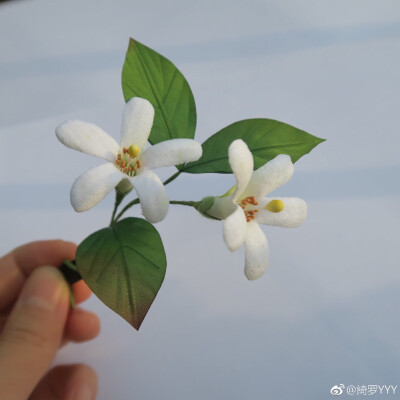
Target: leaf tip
[{"x": 131, "y": 43}]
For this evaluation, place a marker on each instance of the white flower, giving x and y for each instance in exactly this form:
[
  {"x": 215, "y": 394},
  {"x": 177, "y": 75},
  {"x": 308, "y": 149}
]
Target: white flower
[
  {"x": 245, "y": 206},
  {"x": 127, "y": 160}
]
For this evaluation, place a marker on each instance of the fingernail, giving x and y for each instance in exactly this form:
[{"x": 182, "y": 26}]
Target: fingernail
[
  {"x": 43, "y": 288},
  {"x": 83, "y": 393}
]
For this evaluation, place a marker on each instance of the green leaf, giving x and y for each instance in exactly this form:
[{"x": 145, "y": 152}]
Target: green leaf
[
  {"x": 124, "y": 265},
  {"x": 149, "y": 75},
  {"x": 266, "y": 139}
]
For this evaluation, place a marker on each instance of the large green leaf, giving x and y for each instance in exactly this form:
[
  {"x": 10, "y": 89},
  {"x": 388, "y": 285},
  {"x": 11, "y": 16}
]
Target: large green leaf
[
  {"x": 266, "y": 139},
  {"x": 124, "y": 265},
  {"x": 149, "y": 75}
]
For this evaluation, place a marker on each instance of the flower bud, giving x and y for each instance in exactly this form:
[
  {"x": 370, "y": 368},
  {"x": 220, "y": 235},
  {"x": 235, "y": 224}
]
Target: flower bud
[
  {"x": 204, "y": 205},
  {"x": 124, "y": 187}
]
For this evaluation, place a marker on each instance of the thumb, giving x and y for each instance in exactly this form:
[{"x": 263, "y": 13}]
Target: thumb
[{"x": 33, "y": 332}]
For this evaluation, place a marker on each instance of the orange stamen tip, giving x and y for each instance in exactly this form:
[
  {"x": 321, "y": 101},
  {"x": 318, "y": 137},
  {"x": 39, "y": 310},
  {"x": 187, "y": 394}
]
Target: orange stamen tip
[
  {"x": 118, "y": 162},
  {"x": 134, "y": 168}
]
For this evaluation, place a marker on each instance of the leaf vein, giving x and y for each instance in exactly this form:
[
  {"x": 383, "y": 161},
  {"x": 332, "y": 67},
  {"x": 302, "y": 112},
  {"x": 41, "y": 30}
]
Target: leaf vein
[{"x": 160, "y": 105}]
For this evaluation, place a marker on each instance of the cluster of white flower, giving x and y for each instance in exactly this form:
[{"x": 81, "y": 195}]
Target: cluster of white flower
[{"x": 242, "y": 208}]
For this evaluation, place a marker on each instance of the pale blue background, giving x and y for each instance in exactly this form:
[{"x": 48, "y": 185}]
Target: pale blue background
[{"x": 326, "y": 312}]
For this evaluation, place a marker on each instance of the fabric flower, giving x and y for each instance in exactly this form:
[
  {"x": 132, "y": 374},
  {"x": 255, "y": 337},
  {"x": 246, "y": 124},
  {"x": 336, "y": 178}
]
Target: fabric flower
[
  {"x": 245, "y": 206},
  {"x": 128, "y": 160}
]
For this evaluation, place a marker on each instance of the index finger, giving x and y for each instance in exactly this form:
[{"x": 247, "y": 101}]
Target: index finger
[{"x": 20, "y": 262}]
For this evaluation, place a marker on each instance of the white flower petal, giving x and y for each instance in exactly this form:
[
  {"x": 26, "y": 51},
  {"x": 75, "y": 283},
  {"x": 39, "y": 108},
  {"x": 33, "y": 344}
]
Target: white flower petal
[
  {"x": 88, "y": 138},
  {"x": 257, "y": 252},
  {"x": 235, "y": 227},
  {"x": 152, "y": 194},
  {"x": 91, "y": 187},
  {"x": 294, "y": 213},
  {"x": 137, "y": 121},
  {"x": 171, "y": 152},
  {"x": 241, "y": 162},
  {"x": 270, "y": 176}
]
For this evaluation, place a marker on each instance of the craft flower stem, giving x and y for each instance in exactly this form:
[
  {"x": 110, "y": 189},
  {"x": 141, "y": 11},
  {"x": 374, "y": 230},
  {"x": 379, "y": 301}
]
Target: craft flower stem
[
  {"x": 185, "y": 203},
  {"x": 171, "y": 178},
  {"x": 124, "y": 264}
]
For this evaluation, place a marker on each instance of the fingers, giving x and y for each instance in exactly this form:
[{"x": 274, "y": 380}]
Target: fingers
[
  {"x": 17, "y": 265},
  {"x": 75, "y": 382},
  {"x": 33, "y": 332},
  {"x": 81, "y": 291},
  {"x": 82, "y": 325}
]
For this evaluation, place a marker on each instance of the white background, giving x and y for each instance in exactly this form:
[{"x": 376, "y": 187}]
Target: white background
[{"x": 326, "y": 312}]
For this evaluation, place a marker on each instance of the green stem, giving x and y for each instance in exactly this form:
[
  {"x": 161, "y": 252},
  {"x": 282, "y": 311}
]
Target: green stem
[
  {"x": 137, "y": 201},
  {"x": 70, "y": 272},
  {"x": 184, "y": 203},
  {"x": 118, "y": 199},
  {"x": 71, "y": 275},
  {"x": 171, "y": 178},
  {"x": 129, "y": 205}
]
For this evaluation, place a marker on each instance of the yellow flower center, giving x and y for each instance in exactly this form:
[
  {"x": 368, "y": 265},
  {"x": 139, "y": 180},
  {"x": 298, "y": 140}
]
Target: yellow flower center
[
  {"x": 275, "y": 206},
  {"x": 126, "y": 161},
  {"x": 133, "y": 150},
  {"x": 249, "y": 206}
]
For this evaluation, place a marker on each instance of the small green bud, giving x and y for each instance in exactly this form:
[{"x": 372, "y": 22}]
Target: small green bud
[
  {"x": 124, "y": 187},
  {"x": 204, "y": 205}
]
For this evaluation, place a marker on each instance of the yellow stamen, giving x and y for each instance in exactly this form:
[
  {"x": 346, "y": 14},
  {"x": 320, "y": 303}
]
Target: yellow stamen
[
  {"x": 133, "y": 150},
  {"x": 275, "y": 206}
]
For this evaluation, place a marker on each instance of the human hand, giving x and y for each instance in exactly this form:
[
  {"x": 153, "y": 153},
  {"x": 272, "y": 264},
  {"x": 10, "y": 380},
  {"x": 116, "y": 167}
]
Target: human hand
[{"x": 36, "y": 319}]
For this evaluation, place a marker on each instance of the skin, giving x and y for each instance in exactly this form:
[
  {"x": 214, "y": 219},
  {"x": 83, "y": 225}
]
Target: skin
[{"x": 36, "y": 320}]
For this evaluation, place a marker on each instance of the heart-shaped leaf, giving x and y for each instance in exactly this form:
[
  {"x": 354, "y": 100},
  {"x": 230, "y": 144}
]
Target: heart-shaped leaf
[
  {"x": 266, "y": 138},
  {"x": 124, "y": 265},
  {"x": 149, "y": 75}
]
